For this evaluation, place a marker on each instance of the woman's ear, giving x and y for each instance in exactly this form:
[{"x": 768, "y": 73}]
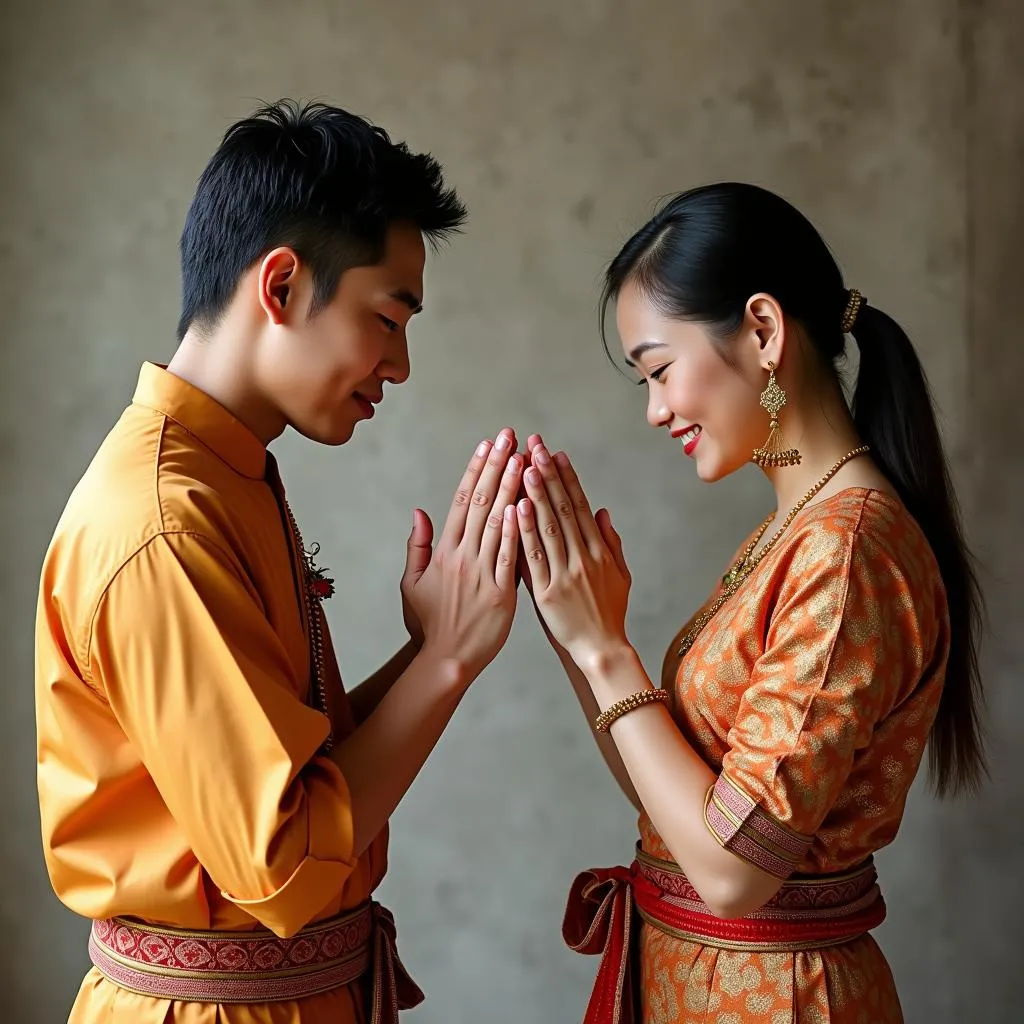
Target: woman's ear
[{"x": 764, "y": 326}]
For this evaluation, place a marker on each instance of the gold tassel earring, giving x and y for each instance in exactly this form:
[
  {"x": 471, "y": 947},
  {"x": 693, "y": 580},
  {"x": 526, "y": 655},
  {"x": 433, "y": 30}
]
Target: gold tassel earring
[{"x": 774, "y": 451}]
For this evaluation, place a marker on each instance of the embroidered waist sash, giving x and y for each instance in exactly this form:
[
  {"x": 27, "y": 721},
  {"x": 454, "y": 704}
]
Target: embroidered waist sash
[
  {"x": 257, "y": 966},
  {"x": 604, "y": 904}
]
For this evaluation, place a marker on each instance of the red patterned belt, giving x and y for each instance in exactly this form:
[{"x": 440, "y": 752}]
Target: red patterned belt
[
  {"x": 601, "y": 918},
  {"x": 257, "y": 966}
]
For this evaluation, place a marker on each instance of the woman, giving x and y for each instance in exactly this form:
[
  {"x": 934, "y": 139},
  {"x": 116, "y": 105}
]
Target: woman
[{"x": 795, "y": 706}]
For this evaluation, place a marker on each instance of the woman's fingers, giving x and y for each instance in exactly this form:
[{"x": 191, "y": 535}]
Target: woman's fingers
[
  {"x": 560, "y": 504},
  {"x": 612, "y": 540},
  {"x": 581, "y": 506},
  {"x": 533, "y": 545},
  {"x": 548, "y": 525}
]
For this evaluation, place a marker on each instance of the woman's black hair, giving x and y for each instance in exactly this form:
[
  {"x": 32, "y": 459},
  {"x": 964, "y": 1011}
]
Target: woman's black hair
[{"x": 701, "y": 258}]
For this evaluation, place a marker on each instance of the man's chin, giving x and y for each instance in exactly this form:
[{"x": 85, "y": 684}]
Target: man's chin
[{"x": 333, "y": 436}]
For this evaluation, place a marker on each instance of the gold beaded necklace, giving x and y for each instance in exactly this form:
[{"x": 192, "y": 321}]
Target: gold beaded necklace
[
  {"x": 745, "y": 565},
  {"x": 311, "y": 598},
  {"x": 313, "y": 586}
]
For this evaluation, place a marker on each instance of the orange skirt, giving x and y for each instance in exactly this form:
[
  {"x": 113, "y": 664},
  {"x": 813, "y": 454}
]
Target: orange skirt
[
  {"x": 803, "y": 958},
  {"x": 685, "y": 982}
]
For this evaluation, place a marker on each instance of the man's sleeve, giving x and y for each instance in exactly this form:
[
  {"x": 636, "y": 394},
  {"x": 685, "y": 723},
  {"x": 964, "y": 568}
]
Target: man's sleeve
[{"x": 204, "y": 690}]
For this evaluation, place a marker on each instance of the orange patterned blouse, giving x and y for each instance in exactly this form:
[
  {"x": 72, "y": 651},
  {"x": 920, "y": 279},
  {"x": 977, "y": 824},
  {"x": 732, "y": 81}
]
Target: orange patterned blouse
[{"x": 812, "y": 693}]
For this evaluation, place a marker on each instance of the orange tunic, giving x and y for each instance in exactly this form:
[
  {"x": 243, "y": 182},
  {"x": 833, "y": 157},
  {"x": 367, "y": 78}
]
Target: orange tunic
[
  {"x": 812, "y": 691},
  {"x": 178, "y": 768}
]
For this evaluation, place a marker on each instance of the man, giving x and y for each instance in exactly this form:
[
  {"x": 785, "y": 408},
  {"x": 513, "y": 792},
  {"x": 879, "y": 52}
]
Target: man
[{"x": 210, "y": 796}]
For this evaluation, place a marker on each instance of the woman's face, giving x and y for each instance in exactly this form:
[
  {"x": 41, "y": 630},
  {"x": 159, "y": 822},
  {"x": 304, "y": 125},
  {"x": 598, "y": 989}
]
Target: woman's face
[{"x": 711, "y": 406}]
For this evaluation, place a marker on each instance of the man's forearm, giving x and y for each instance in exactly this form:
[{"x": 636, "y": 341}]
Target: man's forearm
[
  {"x": 383, "y": 756},
  {"x": 365, "y": 698}
]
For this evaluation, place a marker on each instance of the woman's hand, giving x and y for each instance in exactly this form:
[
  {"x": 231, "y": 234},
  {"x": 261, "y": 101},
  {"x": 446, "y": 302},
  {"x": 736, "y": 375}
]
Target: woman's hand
[
  {"x": 523, "y": 563},
  {"x": 573, "y": 562},
  {"x": 462, "y": 594}
]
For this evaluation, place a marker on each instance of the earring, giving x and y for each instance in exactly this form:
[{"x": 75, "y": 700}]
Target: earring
[{"x": 774, "y": 451}]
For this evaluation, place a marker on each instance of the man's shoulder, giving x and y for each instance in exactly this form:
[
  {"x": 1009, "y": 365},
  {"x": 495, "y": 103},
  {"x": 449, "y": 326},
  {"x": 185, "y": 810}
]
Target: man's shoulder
[{"x": 149, "y": 477}]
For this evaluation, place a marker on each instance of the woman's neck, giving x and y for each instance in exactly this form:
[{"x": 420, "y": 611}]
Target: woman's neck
[{"x": 823, "y": 433}]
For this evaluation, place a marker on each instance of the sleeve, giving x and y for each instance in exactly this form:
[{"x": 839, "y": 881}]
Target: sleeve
[
  {"x": 203, "y": 688},
  {"x": 829, "y": 673}
]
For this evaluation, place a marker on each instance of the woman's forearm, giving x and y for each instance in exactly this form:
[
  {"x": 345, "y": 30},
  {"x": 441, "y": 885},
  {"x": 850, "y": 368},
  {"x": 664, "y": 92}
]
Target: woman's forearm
[
  {"x": 672, "y": 781},
  {"x": 605, "y": 744}
]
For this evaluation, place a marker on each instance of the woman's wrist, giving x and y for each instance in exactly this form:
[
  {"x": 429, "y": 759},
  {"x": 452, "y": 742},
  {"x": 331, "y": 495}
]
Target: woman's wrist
[{"x": 614, "y": 671}]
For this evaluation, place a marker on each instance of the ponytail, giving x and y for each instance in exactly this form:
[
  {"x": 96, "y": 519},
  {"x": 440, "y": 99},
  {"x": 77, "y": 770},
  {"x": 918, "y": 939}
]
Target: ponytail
[{"x": 893, "y": 413}]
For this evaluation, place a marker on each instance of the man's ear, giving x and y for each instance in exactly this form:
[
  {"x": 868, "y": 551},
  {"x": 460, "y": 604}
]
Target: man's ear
[{"x": 277, "y": 273}]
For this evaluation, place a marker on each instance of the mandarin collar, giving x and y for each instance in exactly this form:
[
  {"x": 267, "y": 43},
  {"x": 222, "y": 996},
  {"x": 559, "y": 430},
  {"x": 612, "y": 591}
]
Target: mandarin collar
[{"x": 223, "y": 433}]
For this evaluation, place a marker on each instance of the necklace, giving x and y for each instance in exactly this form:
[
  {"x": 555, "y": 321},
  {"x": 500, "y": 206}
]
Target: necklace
[
  {"x": 745, "y": 564},
  {"x": 313, "y": 592}
]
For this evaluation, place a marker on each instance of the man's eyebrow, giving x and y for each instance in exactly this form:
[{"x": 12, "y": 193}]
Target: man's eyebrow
[{"x": 405, "y": 296}]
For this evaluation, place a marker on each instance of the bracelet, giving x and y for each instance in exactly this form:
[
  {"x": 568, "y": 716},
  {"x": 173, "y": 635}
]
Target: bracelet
[{"x": 603, "y": 722}]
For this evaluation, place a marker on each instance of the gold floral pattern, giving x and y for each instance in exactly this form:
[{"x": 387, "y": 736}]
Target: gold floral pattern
[{"x": 812, "y": 693}]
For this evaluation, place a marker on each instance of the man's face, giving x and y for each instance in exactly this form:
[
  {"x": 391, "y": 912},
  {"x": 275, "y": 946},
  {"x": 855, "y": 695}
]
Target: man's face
[{"x": 325, "y": 374}]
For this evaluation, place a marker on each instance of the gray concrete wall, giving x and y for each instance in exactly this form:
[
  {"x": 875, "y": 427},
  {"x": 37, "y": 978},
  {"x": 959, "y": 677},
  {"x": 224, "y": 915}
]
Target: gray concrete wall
[{"x": 897, "y": 127}]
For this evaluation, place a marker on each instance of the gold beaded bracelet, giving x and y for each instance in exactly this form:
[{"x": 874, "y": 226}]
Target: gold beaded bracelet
[{"x": 603, "y": 722}]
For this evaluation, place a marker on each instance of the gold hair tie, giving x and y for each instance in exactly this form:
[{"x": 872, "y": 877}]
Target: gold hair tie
[{"x": 852, "y": 311}]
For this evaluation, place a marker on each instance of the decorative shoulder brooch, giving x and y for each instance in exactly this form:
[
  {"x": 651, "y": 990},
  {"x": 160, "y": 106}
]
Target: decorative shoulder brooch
[{"x": 321, "y": 586}]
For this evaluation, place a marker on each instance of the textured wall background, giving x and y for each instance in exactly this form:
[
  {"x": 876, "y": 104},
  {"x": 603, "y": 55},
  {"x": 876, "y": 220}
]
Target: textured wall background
[{"x": 897, "y": 128}]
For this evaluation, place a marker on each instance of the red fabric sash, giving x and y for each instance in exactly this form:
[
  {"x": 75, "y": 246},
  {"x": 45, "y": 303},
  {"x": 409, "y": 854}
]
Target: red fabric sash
[
  {"x": 257, "y": 966},
  {"x": 605, "y": 903},
  {"x": 600, "y": 918}
]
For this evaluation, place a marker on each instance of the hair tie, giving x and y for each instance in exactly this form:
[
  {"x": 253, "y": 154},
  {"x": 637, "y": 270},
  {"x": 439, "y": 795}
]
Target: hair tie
[{"x": 854, "y": 304}]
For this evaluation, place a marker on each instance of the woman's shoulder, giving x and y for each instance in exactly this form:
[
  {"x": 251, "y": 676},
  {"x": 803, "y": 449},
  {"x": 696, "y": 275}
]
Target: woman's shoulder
[{"x": 861, "y": 530}]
